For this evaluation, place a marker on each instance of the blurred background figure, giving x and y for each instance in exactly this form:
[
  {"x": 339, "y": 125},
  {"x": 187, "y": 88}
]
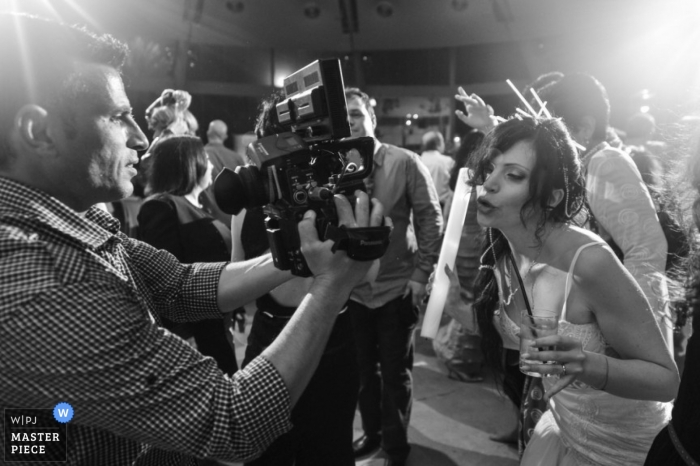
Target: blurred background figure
[
  {"x": 173, "y": 219},
  {"x": 385, "y": 310},
  {"x": 221, "y": 157},
  {"x": 677, "y": 444},
  {"x": 439, "y": 165},
  {"x": 457, "y": 348},
  {"x": 613, "y": 188},
  {"x": 641, "y": 128},
  {"x": 166, "y": 116}
]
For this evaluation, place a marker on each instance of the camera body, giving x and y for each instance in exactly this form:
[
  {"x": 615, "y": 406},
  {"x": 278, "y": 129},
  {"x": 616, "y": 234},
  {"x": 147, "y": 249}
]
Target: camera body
[{"x": 302, "y": 166}]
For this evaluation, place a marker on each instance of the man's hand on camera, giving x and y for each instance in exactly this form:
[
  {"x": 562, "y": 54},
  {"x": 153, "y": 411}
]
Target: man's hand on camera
[{"x": 337, "y": 266}]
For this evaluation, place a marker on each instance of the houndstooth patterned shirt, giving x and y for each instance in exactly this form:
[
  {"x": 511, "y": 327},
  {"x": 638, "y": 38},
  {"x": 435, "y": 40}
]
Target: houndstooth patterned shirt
[{"x": 79, "y": 307}]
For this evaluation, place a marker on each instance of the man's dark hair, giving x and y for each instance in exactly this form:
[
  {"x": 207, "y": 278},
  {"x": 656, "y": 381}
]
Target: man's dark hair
[
  {"x": 179, "y": 163},
  {"x": 38, "y": 59},
  {"x": 356, "y": 92},
  {"x": 575, "y": 96}
]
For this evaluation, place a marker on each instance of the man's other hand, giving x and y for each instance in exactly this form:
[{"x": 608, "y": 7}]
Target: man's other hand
[{"x": 338, "y": 266}]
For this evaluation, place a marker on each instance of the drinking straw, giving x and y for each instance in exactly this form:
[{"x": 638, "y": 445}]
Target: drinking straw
[
  {"x": 517, "y": 92},
  {"x": 543, "y": 105}
]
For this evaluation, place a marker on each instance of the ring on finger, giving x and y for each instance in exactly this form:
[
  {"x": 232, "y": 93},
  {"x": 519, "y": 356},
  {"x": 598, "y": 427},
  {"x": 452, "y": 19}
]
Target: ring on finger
[{"x": 563, "y": 370}]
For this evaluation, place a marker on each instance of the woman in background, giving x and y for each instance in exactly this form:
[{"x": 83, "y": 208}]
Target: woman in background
[{"x": 173, "y": 219}]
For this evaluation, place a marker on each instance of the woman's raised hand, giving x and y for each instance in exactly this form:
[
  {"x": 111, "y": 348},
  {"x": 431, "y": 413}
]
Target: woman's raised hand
[{"x": 478, "y": 115}]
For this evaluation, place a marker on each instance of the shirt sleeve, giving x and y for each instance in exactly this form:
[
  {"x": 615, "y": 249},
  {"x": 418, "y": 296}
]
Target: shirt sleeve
[
  {"x": 89, "y": 343},
  {"x": 178, "y": 292},
  {"x": 623, "y": 208},
  {"x": 427, "y": 217}
]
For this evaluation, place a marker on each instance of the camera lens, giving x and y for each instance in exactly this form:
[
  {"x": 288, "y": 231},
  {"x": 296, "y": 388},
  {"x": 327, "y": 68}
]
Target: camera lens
[{"x": 242, "y": 189}]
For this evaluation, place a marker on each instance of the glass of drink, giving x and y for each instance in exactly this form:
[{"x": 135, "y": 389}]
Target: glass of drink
[{"x": 541, "y": 323}]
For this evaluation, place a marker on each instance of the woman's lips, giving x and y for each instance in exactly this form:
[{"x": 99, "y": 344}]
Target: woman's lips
[{"x": 484, "y": 206}]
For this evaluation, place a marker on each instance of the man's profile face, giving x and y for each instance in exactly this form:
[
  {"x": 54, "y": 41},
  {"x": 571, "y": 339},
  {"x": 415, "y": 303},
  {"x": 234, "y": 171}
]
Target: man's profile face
[
  {"x": 361, "y": 122},
  {"x": 98, "y": 153}
]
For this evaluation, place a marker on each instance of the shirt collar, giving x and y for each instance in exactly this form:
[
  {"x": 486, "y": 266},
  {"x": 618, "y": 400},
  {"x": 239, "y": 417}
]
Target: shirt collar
[
  {"x": 379, "y": 153},
  {"x": 586, "y": 158},
  {"x": 20, "y": 200}
]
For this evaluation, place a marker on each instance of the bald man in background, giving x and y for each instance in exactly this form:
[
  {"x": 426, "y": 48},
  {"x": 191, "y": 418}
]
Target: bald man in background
[{"x": 220, "y": 157}]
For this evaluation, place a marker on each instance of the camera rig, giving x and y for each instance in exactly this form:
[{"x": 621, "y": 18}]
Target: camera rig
[{"x": 302, "y": 166}]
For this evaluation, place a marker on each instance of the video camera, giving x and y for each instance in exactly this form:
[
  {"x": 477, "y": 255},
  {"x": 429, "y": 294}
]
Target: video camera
[{"x": 302, "y": 166}]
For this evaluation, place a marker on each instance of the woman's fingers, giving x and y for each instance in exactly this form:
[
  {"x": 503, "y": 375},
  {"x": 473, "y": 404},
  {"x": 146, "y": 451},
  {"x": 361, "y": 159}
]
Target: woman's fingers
[{"x": 561, "y": 384}]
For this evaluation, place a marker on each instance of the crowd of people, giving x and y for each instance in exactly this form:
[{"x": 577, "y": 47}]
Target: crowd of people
[{"x": 132, "y": 326}]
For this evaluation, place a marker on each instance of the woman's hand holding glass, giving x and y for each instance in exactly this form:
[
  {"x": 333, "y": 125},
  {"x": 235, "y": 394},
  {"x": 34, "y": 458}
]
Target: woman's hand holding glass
[{"x": 570, "y": 358}]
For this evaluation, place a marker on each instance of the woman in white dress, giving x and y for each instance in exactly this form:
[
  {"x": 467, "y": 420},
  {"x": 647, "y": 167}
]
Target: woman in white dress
[{"x": 613, "y": 377}]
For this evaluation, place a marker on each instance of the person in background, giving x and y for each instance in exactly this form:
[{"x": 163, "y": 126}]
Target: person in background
[
  {"x": 384, "y": 311},
  {"x": 458, "y": 348},
  {"x": 439, "y": 165},
  {"x": 81, "y": 303},
  {"x": 677, "y": 444},
  {"x": 610, "y": 372},
  {"x": 323, "y": 417},
  {"x": 221, "y": 157},
  {"x": 622, "y": 211},
  {"x": 172, "y": 218}
]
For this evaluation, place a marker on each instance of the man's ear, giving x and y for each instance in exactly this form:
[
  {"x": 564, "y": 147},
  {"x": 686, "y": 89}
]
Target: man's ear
[
  {"x": 32, "y": 129},
  {"x": 556, "y": 197}
]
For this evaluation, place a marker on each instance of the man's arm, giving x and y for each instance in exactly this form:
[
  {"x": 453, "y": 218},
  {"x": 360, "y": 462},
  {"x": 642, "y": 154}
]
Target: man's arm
[
  {"x": 427, "y": 221},
  {"x": 95, "y": 348},
  {"x": 624, "y": 209}
]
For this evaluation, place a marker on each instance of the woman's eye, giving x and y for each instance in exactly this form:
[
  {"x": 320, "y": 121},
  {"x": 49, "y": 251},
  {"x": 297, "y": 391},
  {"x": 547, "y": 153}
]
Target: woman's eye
[{"x": 516, "y": 176}]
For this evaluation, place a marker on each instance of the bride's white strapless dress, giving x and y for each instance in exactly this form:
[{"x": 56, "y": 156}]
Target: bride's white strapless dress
[{"x": 586, "y": 426}]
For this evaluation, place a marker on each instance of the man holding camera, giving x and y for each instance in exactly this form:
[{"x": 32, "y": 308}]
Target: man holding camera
[
  {"x": 80, "y": 302},
  {"x": 385, "y": 311}
]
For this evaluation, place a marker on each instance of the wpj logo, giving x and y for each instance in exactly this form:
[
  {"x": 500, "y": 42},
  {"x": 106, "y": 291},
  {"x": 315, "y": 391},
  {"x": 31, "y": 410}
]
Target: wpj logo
[{"x": 36, "y": 434}]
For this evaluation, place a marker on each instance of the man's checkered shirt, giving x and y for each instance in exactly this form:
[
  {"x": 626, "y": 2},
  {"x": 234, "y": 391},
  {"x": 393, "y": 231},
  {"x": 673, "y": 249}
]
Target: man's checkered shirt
[{"x": 78, "y": 301}]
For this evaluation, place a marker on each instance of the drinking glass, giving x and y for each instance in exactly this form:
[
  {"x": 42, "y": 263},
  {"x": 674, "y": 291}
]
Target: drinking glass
[{"x": 541, "y": 323}]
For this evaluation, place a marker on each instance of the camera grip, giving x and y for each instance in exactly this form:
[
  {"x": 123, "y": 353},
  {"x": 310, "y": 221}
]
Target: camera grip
[{"x": 361, "y": 244}]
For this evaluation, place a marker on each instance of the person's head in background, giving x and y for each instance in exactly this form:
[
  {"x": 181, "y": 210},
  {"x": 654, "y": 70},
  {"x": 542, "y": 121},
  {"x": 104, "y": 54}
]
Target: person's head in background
[
  {"x": 180, "y": 166},
  {"x": 168, "y": 114},
  {"x": 582, "y": 102},
  {"x": 217, "y": 132},
  {"x": 361, "y": 115},
  {"x": 640, "y": 128},
  {"x": 540, "y": 82},
  {"x": 470, "y": 144},
  {"x": 66, "y": 126},
  {"x": 433, "y": 140}
]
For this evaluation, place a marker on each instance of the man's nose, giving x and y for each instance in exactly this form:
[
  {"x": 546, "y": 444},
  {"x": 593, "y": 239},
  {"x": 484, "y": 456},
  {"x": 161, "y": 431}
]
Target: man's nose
[{"x": 137, "y": 140}]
